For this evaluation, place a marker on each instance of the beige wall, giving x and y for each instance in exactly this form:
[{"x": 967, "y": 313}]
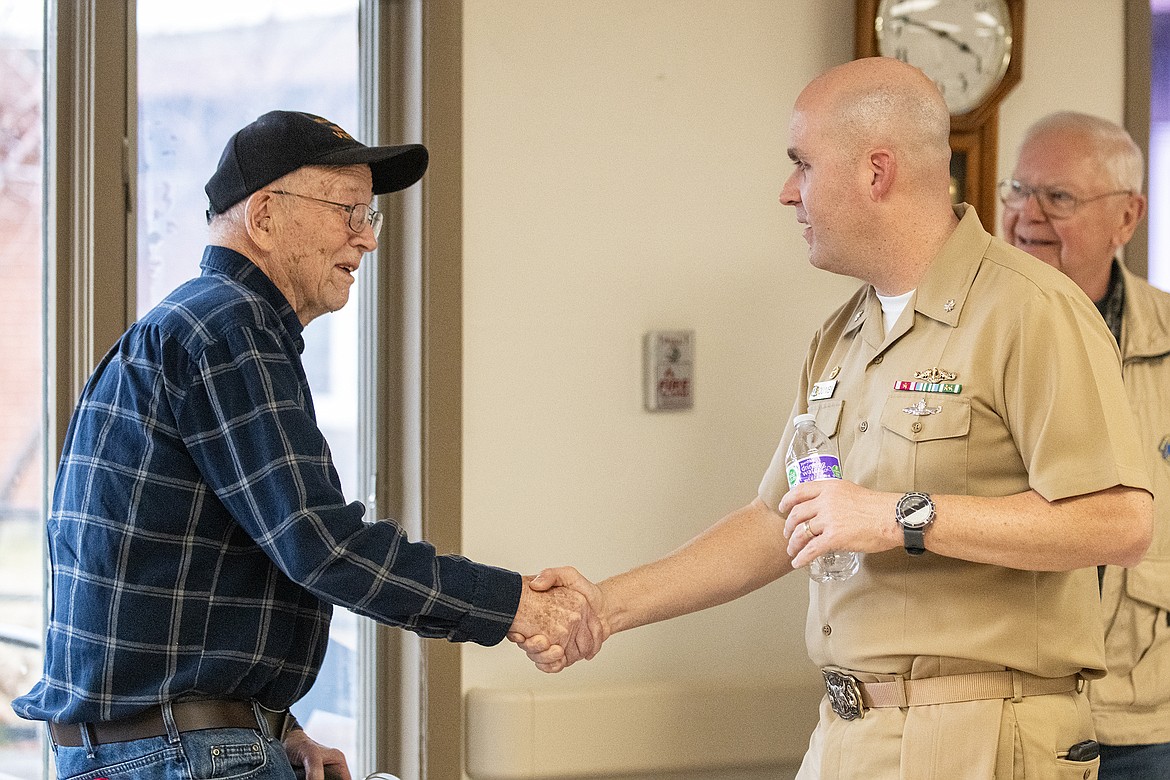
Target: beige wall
[{"x": 622, "y": 164}]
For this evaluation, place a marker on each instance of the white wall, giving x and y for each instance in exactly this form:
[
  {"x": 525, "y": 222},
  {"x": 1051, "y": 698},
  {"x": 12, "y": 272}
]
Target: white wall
[
  {"x": 1074, "y": 60},
  {"x": 622, "y": 165}
]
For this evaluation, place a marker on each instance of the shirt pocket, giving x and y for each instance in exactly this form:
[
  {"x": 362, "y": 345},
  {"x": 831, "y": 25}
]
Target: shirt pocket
[
  {"x": 828, "y": 414},
  {"x": 925, "y": 442}
]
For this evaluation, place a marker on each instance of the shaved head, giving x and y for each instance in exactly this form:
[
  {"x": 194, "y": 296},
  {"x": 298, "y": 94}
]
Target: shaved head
[
  {"x": 879, "y": 101},
  {"x": 870, "y": 141}
]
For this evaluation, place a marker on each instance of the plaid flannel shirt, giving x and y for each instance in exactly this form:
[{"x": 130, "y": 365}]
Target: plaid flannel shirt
[{"x": 198, "y": 533}]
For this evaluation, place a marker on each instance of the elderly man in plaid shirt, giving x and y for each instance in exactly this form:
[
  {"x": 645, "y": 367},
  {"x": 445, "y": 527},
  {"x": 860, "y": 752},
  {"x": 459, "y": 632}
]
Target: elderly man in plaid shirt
[{"x": 199, "y": 535}]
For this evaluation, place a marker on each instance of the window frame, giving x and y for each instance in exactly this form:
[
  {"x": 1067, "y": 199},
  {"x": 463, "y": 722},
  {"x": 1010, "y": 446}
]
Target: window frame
[
  {"x": 1138, "y": 64},
  {"x": 410, "y": 699}
]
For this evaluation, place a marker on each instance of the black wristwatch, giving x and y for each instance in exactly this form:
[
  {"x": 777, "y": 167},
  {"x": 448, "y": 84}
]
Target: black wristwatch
[{"x": 914, "y": 512}]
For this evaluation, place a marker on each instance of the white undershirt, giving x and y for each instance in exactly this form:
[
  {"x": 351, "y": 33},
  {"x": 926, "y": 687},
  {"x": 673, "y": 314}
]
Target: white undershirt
[{"x": 892, "y": 308}]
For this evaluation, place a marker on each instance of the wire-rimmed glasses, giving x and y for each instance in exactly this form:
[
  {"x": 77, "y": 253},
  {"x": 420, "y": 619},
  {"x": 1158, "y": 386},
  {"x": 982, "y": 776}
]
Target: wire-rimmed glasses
[
  {"x": 1056, "y": 203},
  {"x": 360, "y": 214}
]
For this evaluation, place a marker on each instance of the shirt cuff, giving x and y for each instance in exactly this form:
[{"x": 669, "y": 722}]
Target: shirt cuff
[{"x": 494, "y": 600}]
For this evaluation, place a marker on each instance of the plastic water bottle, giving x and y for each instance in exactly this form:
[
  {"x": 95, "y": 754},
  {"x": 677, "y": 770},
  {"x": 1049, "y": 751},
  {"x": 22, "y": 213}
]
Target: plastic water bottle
[{"x": 813, "y": 456}]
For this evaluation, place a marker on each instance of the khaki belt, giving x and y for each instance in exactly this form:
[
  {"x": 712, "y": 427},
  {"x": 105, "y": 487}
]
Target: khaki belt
[
  {"x": 850, "y": 697},
  {"x": 189, "y": 716}
]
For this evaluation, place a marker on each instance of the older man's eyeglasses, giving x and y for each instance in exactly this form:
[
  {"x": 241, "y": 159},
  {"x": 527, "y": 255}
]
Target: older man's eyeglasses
[
  {"x": 1053, "y": 201},
  {"x": 360, "y": 214}
]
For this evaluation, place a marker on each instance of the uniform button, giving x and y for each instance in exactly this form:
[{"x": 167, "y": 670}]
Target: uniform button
[
  {"x": 878, "y": 359},
  {"x": 863, "y": 427},
  {"x": 916, "y": 427},
  {"x": 826, "y": 629}
]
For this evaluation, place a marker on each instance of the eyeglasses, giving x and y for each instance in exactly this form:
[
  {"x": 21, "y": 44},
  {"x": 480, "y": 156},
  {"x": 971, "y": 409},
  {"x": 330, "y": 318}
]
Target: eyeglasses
[
  {"x": 360, "y": 214},
  {"x": 1053, "y": 201}
]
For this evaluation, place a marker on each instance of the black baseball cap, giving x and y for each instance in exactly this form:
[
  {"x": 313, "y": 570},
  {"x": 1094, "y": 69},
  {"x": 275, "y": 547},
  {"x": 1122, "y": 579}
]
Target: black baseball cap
[{"x": 279, "y": 142}]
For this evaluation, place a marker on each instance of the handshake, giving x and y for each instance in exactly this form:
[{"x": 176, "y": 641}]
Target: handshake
[{"x": 561, "y": 619}]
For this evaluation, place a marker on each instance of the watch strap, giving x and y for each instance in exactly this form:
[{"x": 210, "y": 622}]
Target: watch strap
[{"x": 914, "y": 540}]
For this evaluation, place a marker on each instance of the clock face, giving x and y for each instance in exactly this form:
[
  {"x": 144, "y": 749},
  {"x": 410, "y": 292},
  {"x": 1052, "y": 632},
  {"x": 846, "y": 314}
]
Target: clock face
[{"x": 963, "y": 45}]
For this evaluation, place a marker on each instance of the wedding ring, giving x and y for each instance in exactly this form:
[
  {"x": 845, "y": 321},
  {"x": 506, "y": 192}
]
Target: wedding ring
[{"x": 808, "y": 530}]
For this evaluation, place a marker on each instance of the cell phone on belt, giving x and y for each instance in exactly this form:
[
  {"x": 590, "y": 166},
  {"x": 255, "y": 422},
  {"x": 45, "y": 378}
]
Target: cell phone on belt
[{"x": 1084, "y": 751}]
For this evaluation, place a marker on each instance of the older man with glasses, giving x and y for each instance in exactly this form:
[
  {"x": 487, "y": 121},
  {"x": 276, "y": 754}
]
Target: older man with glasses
[
  {"x": 1074, "y": 202},
  {"x": 199, "y": 535}
]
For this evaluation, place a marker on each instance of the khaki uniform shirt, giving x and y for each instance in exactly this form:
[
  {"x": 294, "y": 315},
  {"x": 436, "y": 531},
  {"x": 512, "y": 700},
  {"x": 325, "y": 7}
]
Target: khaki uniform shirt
[
  {"x": 1131, "y": 706},
  {"x": 1039, "y": 404}
]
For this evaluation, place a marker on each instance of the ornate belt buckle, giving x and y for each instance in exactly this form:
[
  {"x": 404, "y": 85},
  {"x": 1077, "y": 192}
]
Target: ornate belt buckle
[{"x": 844, "y": 694}]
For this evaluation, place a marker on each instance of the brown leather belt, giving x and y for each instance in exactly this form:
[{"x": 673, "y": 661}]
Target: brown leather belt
[
  {"x": 850, "y": 697},
  {"x": 189, "y": 716}
]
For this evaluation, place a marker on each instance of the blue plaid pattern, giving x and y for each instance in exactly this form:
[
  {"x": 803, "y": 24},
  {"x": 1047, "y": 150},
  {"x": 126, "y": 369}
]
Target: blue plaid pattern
[{"x": 198, "y": 533}]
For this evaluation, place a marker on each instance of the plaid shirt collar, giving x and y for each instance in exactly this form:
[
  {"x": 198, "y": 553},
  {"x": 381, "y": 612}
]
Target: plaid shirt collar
[{"x": 220, "y": 259}]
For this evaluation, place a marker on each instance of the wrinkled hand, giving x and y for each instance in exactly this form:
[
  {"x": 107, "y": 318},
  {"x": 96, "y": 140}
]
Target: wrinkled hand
[
  {"x": 840, "y": 515},
  {"x": 574, "y": 629},
  {"x": 316, "y": 761}
]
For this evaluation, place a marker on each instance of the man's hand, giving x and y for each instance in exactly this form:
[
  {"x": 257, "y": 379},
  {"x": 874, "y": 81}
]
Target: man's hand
[
  {"x": 560, "y": 619},
  {"x": 315, "y": 760},
  {"x": 835, "y": 514}
]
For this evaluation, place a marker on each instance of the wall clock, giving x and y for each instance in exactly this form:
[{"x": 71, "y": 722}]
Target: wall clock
[{"x": 971, "y": 49}]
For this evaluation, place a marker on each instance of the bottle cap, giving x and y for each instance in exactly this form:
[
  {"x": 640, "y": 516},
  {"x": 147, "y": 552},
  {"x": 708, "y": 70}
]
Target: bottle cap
[{"x": 803, "y": 418}]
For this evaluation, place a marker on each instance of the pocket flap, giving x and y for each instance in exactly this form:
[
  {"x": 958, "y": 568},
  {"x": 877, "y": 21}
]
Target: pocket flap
[
  {"x": 828, "y": 414},
  {"x": 1149, "y": 582},
  {"x": 924, "y": 418}
]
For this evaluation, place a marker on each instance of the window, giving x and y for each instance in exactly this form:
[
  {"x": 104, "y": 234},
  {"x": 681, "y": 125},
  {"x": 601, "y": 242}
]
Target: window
[
  {"x": 101, "y": 267},
  {"x": 22, "y": 413},
  {"x": 204, "y": 71},
  {"x": 1158, "y": 185}
]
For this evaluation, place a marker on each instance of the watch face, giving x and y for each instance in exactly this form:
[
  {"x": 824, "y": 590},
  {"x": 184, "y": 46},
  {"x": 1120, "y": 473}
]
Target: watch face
[
  {"x": 963, "y": 45},
  {"x": 915, "y": 510}
]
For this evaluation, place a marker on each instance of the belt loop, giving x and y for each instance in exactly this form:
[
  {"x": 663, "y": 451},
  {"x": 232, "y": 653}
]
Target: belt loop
[
  {"x": 87, "y": 740},
  {"x": 1017, "y": 687},
  {"x": 287, "y": 724},
  {"x": 168, "y": 716},
  {"x": 903, "y": 699},
  {"x": 261, "y": 721}
]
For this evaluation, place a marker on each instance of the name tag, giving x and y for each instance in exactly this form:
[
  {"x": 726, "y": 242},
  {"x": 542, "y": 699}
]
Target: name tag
[{"x": 822, "y": 390}]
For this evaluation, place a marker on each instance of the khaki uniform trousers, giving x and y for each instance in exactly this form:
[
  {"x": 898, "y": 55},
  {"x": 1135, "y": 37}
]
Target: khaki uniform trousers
[{"x": 975, "y": 740}]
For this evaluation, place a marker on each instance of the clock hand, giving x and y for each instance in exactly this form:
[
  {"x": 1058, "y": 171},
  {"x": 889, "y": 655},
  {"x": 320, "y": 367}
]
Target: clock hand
[{"x": 960, "y": 45}]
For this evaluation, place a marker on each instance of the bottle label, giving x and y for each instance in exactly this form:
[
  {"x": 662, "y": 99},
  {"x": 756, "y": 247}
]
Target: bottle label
[{"x": 813, "y": 468}]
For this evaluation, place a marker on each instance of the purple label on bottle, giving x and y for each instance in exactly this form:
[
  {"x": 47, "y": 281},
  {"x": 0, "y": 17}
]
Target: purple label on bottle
[{"x": 813, "y": 468}]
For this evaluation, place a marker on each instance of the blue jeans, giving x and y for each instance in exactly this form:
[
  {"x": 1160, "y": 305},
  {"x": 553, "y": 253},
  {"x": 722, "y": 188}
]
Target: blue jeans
[
  {"x": 1135, "y": 762},
  {"x": 212, "y": 754}
]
